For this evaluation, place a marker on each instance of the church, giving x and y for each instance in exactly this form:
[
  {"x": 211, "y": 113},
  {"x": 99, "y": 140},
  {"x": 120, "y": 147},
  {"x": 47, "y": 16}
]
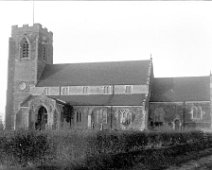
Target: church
[{"x": 121, "y": 95}]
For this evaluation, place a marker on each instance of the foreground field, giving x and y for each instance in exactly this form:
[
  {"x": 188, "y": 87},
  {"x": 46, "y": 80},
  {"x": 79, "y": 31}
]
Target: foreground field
[
  {"x": 204, "y": 163},
  {"x": 99, "y": 150},
  {"x": 201, "y": 160}
]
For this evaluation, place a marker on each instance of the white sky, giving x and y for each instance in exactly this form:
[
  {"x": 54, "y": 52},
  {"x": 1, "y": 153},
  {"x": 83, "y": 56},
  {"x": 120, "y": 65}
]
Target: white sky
[{"x": 177, "y": 34}]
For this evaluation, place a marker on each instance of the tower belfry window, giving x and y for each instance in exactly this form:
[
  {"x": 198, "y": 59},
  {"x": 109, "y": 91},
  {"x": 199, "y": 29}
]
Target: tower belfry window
[
  {"x": 24, "y": 48},
  {"x": 42, "y": 51}
]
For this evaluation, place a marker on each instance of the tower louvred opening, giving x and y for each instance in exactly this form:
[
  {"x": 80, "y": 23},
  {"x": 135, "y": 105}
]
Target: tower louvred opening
[{"x": 24, "y": 48}]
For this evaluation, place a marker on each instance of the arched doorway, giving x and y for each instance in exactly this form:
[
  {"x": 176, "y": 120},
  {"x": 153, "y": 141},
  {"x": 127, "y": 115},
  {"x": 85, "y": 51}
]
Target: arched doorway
[{"x": 42, "y": 118}]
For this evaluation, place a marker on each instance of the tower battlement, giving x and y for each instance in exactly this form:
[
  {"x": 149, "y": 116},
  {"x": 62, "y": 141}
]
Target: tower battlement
[{"x": 35, "y": 28}]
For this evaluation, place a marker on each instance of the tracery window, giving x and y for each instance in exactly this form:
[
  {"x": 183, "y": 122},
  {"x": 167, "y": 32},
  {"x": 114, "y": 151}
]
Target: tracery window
[
  {"x": 196, "y": 112},
  {"x": 24, "y": 48},
  {"x": 125, "y": 117},
  {"x": 102, "y": 116},
  {"x": 158, "y": 117}
]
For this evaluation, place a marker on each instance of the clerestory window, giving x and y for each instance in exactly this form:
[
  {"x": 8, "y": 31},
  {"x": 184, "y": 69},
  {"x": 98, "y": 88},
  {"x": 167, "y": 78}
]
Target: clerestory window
[
  {"x": 85, "y": 90},
  {"x": 128, "y": 89},
  {"x": 106, "y": 89},
  {"x": 46, "y": 91},
  {"x": 64, "y": 90}
]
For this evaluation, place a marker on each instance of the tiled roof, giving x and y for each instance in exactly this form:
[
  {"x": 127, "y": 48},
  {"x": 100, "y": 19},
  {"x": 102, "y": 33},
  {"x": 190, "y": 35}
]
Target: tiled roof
[
  {"x": 181, "y": 89},
  {"x": 102, "y": 73},
  {"x": 103, "y": 100}
]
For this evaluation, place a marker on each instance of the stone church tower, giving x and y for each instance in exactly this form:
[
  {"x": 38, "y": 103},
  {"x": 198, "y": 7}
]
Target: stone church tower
[{"x": 30, "y": 49}]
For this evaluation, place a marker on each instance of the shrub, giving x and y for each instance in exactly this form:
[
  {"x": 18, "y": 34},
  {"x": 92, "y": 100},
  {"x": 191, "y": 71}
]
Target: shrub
[
  {"x": 104, "y": 147},
  {"x": 24, "y": 146}
]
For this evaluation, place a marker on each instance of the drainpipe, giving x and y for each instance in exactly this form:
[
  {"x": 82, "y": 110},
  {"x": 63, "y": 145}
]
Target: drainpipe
[
  {"x": 145, "y": 116},
  {"x": 111, "y": 108},
  {"x": 184, "y": 108},
  {"x": 111, "y": 117},
  {"x": 211, "y": 97}
]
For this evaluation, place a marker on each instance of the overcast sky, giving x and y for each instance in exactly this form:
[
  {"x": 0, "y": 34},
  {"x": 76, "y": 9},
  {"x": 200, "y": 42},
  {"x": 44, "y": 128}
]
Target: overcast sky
[{"x": 177, "y": 34}]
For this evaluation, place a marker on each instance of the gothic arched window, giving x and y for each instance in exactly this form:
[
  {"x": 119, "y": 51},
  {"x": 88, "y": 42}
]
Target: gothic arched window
[
  {"x": 79, "y": 116},
  {"x": 196, "y": 112},
  {"x": 42, "y": 51},
  {"x": 24, "y": 48}
]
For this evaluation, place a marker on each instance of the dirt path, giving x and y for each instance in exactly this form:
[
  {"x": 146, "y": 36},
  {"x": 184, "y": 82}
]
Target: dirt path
[
  {"x": 201, "y": 160},
  {"x": 204, "y": 163}
]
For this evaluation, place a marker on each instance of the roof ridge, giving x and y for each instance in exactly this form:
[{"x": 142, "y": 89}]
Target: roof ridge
[
  {"x": 100, "y": 62},
  {"x": 178, "y": 77}
]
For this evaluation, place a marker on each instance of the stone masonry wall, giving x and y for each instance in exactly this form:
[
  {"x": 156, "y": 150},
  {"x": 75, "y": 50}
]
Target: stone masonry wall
[
  {"x": 101, "y": 118},
  {"x": 187, "y": 115},
  {"x": 23, "y": 72}
]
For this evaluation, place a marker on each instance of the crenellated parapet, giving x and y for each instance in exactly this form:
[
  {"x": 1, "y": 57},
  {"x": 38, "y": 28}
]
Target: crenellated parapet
[{"x": 27, "y": 29}]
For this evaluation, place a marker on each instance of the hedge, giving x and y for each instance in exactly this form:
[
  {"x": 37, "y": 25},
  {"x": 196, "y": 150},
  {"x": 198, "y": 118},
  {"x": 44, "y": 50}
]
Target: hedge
[
  {"x": 20, "y": 147},
  {"x": 119, "y": 142},
  {"x": 92, "y": 150}
]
